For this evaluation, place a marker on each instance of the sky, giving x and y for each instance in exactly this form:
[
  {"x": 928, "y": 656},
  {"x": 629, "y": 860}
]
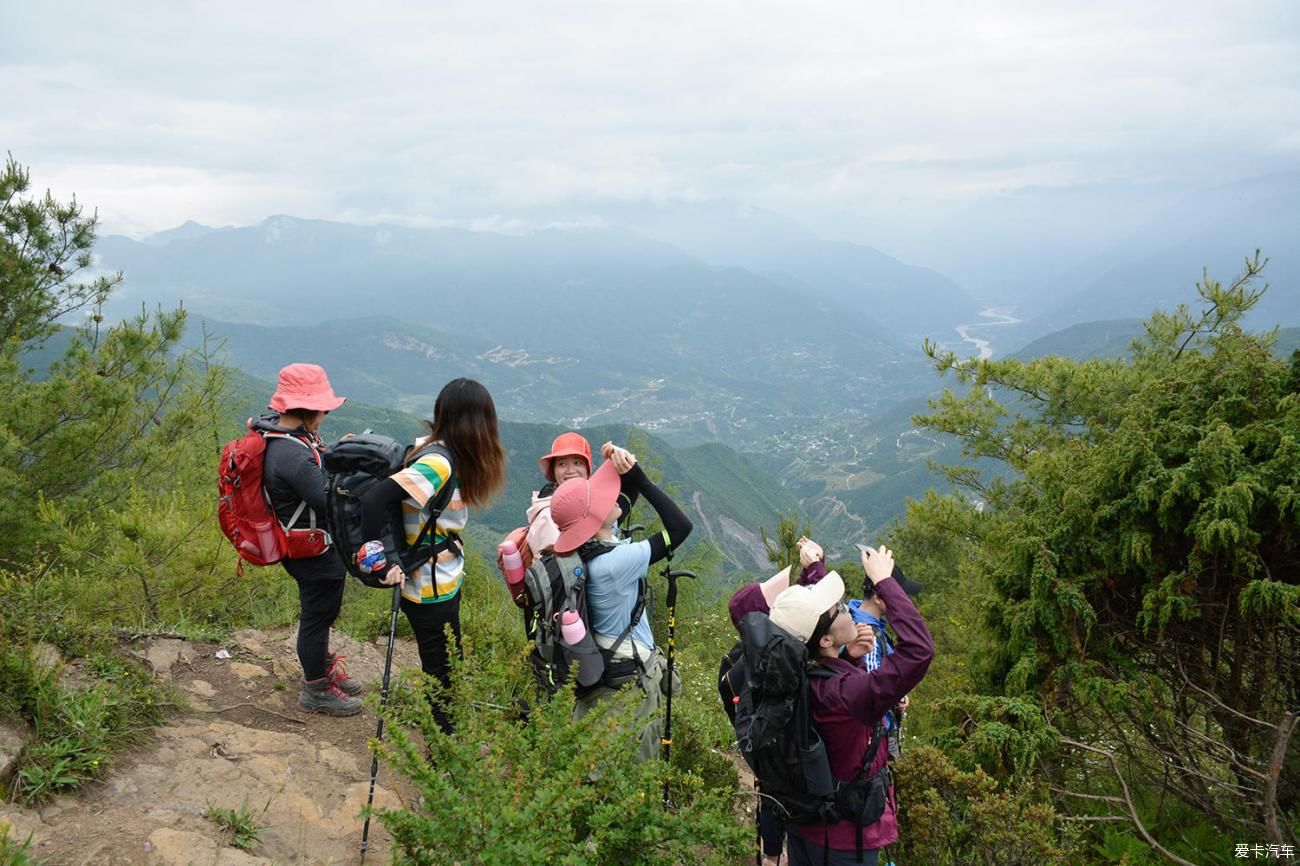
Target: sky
[{"x": 898, "y": 125}]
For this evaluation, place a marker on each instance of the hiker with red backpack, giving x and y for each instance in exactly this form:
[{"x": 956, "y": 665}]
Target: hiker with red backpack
[
  {"x": 586, "y": 510},
  {"x": 462, "y": 452},
  {"x": 847, "y": 705},
  {"x": 295, "y": 483}
]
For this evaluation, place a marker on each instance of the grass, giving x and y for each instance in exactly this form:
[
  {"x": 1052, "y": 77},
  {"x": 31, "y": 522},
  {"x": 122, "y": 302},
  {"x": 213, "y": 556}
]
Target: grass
[
  {"x": 240, "y": 826},
  {"x": 14, "y": 853},
  {"x": 79, "y": 716}
]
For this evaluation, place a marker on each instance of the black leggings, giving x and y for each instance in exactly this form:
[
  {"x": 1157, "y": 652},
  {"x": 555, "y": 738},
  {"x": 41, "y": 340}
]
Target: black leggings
[
  {"x": 427, "y": 621},
  {"x": 319, "y": 600}
]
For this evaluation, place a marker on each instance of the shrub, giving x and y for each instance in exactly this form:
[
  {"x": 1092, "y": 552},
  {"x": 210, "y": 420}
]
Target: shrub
[
  {"x": 511, "y": 790},
  {"x": 951, "y": 816}
]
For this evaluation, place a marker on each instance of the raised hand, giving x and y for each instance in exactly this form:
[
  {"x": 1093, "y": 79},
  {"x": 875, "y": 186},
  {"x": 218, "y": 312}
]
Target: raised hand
[
  {"x": 877, "y": 563},
  {"x": 809, "y": 551}
]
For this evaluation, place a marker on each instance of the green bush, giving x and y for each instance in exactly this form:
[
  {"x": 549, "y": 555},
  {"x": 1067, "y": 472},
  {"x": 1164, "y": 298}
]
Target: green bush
[
  {"x": 510, "y": 790},
  {"x": 951, "y": 816}
]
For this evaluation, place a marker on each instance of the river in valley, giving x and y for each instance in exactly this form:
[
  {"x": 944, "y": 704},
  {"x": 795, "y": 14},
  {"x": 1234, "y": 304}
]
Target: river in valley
[{"x": 989, "y": 318}]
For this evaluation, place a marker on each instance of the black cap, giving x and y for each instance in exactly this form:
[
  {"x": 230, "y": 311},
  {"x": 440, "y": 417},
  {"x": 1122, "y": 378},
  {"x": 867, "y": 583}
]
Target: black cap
[{"x": 911, "y": 587}]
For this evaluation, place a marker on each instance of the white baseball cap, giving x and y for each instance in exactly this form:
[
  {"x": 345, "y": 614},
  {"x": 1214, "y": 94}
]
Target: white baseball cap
[{"x": 798, "y": 609}]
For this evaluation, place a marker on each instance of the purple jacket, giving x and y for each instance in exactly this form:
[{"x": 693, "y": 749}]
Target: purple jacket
[{"x": 847, "y": 706}]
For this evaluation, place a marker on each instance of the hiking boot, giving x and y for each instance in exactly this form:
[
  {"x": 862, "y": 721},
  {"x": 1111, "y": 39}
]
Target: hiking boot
[
  {"x": 324, "y": 696},
  {"x": 334, "y": 670}
]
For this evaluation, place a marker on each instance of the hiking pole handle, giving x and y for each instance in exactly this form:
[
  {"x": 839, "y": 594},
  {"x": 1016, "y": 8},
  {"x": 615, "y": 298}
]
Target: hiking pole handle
[{"x": 674, "y": 573}]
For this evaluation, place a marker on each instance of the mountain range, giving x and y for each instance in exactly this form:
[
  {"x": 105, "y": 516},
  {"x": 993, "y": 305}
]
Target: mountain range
[{"x": 697, "y": 323}]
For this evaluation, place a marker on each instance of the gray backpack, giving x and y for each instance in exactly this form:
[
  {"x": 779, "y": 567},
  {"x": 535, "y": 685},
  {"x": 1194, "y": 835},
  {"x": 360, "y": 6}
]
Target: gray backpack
[{"x": 556, "y": 589}]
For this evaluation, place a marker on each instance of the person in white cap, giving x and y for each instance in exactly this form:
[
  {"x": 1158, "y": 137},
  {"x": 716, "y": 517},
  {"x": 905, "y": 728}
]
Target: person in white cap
[{"x": 848, "y": 705}]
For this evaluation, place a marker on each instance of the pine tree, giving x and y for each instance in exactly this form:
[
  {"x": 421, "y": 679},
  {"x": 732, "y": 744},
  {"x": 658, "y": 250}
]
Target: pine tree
[
  {"x": 105, "y": 429},
  {"x": 1144, "y": 554}
]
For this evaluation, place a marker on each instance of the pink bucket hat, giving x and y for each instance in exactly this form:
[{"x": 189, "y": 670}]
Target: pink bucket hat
[
  {"x": 565, "y": 445},
  {"x": 304, "y": 386},
  {"x": 579, "y": 506}
]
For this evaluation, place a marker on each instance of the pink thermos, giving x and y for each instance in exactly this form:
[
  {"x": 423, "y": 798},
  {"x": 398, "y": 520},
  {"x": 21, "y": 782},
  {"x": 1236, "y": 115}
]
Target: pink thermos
[
  {"x": 571, "y": 627},
  {"x": 512, "y": 566}
]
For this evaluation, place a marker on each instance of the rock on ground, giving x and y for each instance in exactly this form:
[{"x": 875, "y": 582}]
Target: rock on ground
[{"x": 242, "y": 745}]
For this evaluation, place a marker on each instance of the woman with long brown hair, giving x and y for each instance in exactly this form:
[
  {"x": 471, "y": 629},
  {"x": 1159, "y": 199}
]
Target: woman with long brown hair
[{"x": 461, "y": 453}]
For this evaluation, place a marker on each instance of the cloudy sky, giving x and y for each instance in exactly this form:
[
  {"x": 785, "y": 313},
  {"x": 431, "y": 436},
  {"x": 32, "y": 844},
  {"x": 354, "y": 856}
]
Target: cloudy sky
[{"x": 880, "y": 122}]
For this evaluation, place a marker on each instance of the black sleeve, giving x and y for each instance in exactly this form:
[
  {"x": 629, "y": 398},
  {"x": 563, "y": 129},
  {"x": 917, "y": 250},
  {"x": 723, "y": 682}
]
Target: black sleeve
[
  {"x": 627, "y": 496},
  {"x": 377, "y": 502},
  {"x": 676, "y": 524},
  {"x": 297, "y": 468}
]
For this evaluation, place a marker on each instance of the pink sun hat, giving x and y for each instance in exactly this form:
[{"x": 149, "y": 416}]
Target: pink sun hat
[
  {"x": 579, "y": 506},
  {"x": 304, "y": 386}
]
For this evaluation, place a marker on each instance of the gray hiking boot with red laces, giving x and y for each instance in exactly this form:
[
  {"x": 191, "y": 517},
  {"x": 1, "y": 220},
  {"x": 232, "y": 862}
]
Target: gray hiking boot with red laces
[
  {"x": 334, "y": 670},
  {"x": 325, "y": 696}
]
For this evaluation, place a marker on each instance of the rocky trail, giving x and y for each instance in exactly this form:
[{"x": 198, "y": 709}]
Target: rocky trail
[{"x": 241, "y": 739}]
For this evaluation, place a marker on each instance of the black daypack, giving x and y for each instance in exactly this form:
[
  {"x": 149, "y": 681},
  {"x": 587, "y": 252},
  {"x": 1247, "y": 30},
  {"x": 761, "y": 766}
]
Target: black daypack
[
  {"x": 354, "y": 466},
  {"x": 763, "y": 682},
  {"x": 555, "y": 584}
]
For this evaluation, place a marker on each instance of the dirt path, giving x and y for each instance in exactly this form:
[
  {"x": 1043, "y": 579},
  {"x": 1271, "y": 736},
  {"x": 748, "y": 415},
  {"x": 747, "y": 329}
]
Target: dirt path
[{"x": 305, "y": 776}]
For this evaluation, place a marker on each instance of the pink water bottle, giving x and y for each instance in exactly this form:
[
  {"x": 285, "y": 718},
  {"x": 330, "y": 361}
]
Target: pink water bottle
[
  {"x": 512, "y": 566},
  {"x": 571, "y": 628}
]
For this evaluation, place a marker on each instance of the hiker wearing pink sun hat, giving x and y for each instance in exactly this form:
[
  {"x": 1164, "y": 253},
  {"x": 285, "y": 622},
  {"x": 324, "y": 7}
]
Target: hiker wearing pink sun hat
[
  {"x": 304, "y": 386},
  {"x": 569, "y": 457},
  {"x": 296, "y": 483},
  {"x": 586, "y": 510}
]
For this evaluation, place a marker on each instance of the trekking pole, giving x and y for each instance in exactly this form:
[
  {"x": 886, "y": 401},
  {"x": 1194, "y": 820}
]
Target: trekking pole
[
  {"x": 379, "y": 727},
  {"x": 672, "y": 575}
]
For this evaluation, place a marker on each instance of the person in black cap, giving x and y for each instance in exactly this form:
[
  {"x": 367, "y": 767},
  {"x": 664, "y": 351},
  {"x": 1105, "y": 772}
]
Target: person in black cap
[{"x": 870, "y": 609}]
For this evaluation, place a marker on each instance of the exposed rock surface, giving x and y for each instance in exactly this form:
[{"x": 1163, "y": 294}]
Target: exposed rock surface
[{"x": 242, "y": 745}]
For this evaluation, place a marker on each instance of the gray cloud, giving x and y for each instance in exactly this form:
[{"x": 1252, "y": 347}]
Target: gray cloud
[{"x": 871, "y": 121}]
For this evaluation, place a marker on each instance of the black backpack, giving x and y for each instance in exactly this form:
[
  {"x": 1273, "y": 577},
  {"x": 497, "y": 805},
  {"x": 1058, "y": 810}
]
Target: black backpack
[
  {"x": 763, "y": 682},
  {"x": 354, "y": 466},
  {"x": 553, "y": 585}
]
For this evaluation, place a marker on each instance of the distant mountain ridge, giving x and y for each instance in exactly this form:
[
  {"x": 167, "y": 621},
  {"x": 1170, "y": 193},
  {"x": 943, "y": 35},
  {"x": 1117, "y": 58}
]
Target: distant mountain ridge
[
  {"x": 1158, "y": 266},
  {"x": 623, "y": 320},
  {"x": 915, "y": 301},
  {"x": 1113, "y": 339}
]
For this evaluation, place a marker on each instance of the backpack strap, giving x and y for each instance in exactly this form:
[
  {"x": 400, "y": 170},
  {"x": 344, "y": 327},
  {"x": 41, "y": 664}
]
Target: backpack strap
[
  {"x": 310, "y": 445},
  {"x": 591, "y": 550},
  {"x": 873, "y": 746},
  {"x": 637, "y": 610},
  {"x": 436, "y": 506}
]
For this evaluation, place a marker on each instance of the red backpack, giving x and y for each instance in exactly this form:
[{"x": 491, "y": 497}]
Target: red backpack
[{"x": 245, "y": 511}]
